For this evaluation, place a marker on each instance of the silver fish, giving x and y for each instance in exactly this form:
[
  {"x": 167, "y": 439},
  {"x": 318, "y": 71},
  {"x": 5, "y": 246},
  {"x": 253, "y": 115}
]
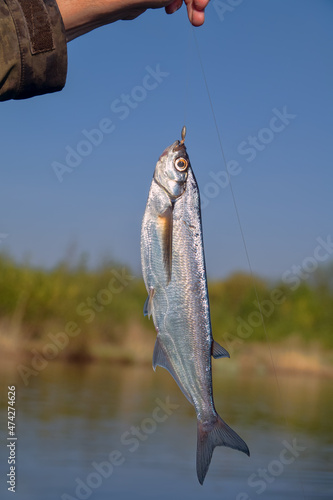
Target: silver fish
[{"x": 174, "y": 272}]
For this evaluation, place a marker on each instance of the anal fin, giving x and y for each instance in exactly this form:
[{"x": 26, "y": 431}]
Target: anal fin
[{"x": 160, "y": 358}]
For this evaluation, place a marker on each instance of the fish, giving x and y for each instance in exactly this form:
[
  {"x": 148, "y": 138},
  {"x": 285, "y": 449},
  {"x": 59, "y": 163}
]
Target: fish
[{"x": 174, "y": 273}]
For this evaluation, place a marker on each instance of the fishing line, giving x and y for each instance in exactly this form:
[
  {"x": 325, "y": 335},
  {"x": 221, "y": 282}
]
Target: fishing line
[
  {"x": 187, "y": 77},
  {"x": 233, "y": 196},
  {"x": 243, "y": 238}
]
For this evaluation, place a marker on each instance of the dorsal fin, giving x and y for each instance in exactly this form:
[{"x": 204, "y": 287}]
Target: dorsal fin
[{"x": 218, "y": 351}]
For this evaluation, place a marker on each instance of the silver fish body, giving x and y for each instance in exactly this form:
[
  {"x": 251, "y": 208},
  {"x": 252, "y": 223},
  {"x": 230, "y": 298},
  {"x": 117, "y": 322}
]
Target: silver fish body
[{"x": 174, "y": 273}]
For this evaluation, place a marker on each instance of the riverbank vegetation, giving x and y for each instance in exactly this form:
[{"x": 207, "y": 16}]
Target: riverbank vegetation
[{"x": 74, "y": 312}]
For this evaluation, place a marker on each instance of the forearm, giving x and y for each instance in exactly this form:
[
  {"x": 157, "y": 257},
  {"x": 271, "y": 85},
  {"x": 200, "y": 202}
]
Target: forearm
[
  {"x": 77, "y": 15},
  {"x": 82, "y": 16}
]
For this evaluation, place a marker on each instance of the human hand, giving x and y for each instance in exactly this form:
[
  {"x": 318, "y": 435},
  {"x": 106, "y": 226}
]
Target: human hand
[
  {"x": 195, "y": 10},
  {"x": 81, "y": 16}
]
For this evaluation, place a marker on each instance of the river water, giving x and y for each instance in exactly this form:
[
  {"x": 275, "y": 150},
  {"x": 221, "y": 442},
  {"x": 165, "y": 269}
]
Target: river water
[{"x": 124, "y": 432}]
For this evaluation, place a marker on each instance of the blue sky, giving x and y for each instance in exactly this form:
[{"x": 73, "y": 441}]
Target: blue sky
[{"x": 262, "y": 60}]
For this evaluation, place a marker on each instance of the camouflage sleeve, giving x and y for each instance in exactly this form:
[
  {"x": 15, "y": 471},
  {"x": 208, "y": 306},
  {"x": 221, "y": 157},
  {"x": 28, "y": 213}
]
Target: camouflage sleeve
[{"x": 33, "y": 50}]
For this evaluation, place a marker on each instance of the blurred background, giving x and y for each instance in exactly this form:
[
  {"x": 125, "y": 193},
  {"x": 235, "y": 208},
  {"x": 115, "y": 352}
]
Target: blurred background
[{"x": 76, "y": 170}]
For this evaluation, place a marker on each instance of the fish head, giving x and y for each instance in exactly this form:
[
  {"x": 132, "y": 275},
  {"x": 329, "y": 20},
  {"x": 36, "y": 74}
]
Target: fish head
[{"x": 171, "y": 169}]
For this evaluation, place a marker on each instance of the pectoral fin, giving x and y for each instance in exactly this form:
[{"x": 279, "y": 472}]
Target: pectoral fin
[
  {"x": 166, "y": 223},
  {"x": 148, "y": 306},
  {"x": 218, "y": 351}
]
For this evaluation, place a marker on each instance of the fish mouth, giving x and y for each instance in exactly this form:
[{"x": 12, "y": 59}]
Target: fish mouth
[
  {"x": 174, "y": 148},
  {"x": 179, "y": 146}
]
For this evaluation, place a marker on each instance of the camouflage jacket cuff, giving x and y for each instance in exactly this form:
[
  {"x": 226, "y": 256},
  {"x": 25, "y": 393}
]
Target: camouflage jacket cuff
[{"x": 35, "y": 55}]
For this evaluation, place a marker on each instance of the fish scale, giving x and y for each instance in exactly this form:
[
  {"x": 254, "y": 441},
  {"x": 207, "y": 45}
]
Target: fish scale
[{"x": 174, "y": 272}]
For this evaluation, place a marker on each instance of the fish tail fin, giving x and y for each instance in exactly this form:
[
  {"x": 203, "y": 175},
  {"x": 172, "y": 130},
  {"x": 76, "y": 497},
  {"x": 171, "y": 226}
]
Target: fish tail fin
[{"x": 216, "y": 433}]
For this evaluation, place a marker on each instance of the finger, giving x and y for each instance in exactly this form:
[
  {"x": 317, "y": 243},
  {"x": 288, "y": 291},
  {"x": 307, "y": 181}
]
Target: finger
[
  {"x": 196, "y": 17},
  {"x": 173, "y": 6},
  {"x": 200, "y": 4},
  {"x": 195, "y": 11}
]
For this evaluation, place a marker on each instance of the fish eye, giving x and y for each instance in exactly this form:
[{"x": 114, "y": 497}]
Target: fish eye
[{"x": 181, "y": 164}]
